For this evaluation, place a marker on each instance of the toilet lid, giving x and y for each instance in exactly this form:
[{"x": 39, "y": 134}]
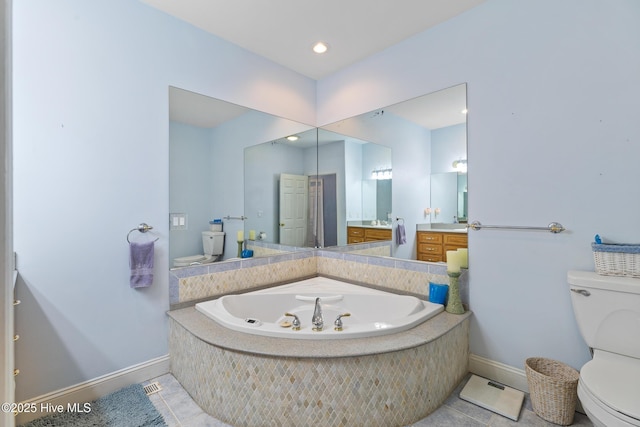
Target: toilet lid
[
  {"x": 615, "y": 381},
  {"x": 188, "y": 260}
]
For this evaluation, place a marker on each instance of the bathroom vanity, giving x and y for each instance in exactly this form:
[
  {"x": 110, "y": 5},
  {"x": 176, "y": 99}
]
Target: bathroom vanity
[
  {"x": 433, "y": 244},
  {"x": 363, "y": 233}
]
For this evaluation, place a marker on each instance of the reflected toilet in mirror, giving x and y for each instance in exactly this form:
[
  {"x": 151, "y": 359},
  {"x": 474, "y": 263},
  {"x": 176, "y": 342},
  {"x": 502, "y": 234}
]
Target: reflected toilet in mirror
[{"x": 213, "y": 246}]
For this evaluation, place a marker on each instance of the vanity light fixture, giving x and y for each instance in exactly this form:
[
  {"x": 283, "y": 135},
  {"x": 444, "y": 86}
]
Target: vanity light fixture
[
  {"x": 320, "y": 47},
  {"x": 293, "y": 138},
  {"x": 460, "y": 165},
  {"x": 381, "y": 174}
]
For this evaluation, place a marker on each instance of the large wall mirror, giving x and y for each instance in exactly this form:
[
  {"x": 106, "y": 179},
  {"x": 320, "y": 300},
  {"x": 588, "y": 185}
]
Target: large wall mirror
[
  {"x": 207, "y": 138},
  {"x": 427, "y": 141},
  {"x": 303, "y": 186}
]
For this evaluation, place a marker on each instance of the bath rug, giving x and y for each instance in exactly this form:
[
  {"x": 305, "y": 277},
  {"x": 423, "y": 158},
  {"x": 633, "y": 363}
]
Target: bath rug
[{"x": 127, "y": 407}]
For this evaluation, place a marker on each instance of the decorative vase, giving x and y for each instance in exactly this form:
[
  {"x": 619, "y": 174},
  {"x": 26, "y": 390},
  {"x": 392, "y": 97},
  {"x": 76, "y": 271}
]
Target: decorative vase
[
  {"x": 240, "y": 242},
  {"x": 454, "y": 305}
]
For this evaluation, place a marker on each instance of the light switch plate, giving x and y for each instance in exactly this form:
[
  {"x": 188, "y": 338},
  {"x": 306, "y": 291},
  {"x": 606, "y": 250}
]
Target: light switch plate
[{"x": 177, "y": 221}]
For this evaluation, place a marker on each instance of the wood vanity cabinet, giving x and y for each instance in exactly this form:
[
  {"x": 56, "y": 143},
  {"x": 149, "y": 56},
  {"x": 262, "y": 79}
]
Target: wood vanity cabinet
[
  {"x": 433, "y": 246},
  {"x": 366, "y": 234},
  {"x": 355, "y": 235}
]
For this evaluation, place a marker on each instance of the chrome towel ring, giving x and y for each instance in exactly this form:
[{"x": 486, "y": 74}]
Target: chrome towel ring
[{"x": 142, "y": 228}]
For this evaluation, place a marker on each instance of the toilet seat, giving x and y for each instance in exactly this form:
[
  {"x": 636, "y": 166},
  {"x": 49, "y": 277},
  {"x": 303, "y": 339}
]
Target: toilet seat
[
  {"x": 612, "y": 383},
  {"x": 192, "y": 260}
]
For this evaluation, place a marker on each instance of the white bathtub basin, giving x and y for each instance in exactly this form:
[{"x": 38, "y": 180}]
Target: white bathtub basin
[{"x": 372, "y": 312}]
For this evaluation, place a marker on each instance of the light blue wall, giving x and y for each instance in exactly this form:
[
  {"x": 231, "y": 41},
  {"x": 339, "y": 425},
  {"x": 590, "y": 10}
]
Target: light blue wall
[
  {"x": 448, "y": 144},
  {"x": 331, "y": 160},
  {"x": 353, "y": 181},
  {"x": 552, "y": 99},
  {"x": 262, "y": 184},
  {"x": 552, "y": 94},
  {"x": 91, "y": 159},
  {"x": 190, "y": 186}
]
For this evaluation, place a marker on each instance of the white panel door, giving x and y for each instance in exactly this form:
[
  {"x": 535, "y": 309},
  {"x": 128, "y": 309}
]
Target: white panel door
[{"x": 293, "y": 209}]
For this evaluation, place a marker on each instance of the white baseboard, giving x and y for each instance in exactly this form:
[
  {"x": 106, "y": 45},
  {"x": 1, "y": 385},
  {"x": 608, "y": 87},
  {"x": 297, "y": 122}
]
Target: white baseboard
[
  {"x": 97, "y": 387},
  {"x": 499, "y": 372}
]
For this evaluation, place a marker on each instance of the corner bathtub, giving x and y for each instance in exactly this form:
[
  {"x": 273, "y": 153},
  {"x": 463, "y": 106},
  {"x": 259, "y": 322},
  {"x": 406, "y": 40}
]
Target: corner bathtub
[
  {"x": 371, "y": 312},
  {"x": 249, "y": 380}
]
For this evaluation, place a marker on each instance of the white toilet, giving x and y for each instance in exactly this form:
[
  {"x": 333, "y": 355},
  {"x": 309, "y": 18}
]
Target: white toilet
[
  {"x": 213, "y": 244},
  {"x": 607, "y": 310}
]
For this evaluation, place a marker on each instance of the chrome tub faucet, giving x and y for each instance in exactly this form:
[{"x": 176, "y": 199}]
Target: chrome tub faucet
[{"x": 316, "y": 320}]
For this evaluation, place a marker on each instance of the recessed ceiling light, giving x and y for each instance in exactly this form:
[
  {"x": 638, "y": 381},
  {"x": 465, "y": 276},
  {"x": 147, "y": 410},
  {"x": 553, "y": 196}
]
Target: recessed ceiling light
[
  {"x": 464, "y": 111},
  {"x": 292, "y": 138},
  {"x": 320, "y": 47}
]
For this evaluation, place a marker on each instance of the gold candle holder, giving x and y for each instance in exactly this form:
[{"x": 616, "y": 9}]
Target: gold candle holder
[{"x": 454, "y": 304}]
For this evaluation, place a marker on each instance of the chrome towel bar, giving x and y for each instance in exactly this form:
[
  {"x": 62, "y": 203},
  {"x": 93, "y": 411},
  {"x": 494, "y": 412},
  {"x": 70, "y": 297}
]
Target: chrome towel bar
[
  {"x": 554, "y": 227},
  {"x": 241, "y": 218}
]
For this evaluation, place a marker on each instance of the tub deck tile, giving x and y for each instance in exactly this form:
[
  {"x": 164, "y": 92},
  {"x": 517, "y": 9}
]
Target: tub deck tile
[
  {"x": 215, "y": 334},
  {"x": 243, "y": 387}
]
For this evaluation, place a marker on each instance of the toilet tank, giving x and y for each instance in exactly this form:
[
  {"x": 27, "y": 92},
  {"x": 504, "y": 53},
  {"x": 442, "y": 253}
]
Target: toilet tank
[
  {"x": 607, "y": 310},
  {"x": 213, "y": 242}
]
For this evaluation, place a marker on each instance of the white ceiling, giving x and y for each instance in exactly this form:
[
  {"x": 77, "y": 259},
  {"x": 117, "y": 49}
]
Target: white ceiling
[{"x": 285, "y": 30}]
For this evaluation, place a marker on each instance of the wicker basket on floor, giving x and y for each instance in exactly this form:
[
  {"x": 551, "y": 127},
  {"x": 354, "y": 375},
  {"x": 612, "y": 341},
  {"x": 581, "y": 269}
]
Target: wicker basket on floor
[{"x": 553, "y": 387}]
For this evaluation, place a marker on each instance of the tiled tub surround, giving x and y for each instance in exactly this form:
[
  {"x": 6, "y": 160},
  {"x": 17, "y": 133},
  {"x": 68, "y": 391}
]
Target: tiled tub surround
[
  {"x": 248, "y": 380},
  {"x": 402, "y": 276},
  {"x": 262, "y": 248},
  {"x": 212, "y": 280}
]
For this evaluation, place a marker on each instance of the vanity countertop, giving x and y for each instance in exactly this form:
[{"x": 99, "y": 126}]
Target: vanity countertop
[
  {"x": 461, "y": 228},
  {"x": 367, "y": 224}
]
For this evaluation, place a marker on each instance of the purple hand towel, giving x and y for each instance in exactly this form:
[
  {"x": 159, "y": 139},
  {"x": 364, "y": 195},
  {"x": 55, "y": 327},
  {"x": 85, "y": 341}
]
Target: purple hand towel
[
  {"x": 401, "y": 237},
  {"x": 141, "y": 263}
]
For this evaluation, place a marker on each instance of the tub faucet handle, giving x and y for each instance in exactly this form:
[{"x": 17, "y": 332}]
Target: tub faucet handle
[
  {"x": 295, "y": 325},
  {"x": 337, "y": 325}
]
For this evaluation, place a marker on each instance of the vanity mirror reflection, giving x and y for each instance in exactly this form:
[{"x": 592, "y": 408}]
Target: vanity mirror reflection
[
  {"x": 300, "y": 190},
  {"x": 364, "y": 174},
  {"x": 280, "y": 178},
  {"x": 207, "y": 138},
  {"x": 427, "y": 137},
  {"x": 223, "y": 160}
]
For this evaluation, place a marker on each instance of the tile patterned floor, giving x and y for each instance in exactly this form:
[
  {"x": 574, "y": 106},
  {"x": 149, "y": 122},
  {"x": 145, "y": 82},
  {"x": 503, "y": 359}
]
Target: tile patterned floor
[{"x": 179, "y": 410}]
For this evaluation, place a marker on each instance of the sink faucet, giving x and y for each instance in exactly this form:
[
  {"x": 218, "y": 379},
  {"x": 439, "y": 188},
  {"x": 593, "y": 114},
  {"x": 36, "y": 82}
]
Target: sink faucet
[{"x": 316, "y": 320}]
